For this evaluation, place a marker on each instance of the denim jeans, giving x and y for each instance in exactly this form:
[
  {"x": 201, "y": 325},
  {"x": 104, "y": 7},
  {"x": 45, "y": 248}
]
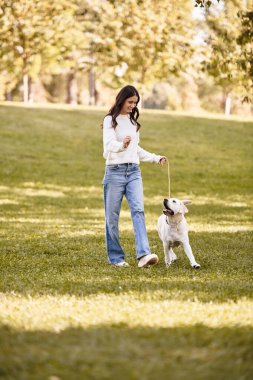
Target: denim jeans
[{"x": 120, "y": 180}]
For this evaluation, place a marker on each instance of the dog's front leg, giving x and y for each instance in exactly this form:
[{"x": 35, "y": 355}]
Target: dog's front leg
[
  {"x": 173, "y": 256},
  {"x": 188, "y": 251},
  {"x": 166, "y": 253}
]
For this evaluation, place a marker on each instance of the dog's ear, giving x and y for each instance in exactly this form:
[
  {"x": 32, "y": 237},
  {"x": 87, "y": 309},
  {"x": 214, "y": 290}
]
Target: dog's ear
[
  {"x": 183, "y": 208},
  {"x": 186, "y": 201}
]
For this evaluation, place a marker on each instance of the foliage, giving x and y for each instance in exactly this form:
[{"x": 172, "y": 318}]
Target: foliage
[
  {"x": 157, "y": 49},
  {"x": 41, "y": 36},
  {"x": 133, "y": 46},
  {"x": 138, "y": 42},
  {"x": 36, "y": 34},
  {"x": 230, "y": 56},
  {"x": 245, "y": 61},
  {"x": 102, "y": 45}
]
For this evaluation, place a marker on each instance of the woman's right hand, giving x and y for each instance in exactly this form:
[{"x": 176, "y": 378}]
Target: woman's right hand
[{"x": 126, "y": 141}]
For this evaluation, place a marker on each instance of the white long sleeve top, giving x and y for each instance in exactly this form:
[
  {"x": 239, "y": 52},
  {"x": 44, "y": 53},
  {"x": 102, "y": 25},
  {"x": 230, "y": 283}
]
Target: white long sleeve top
[{"x": 114, "y": 151}]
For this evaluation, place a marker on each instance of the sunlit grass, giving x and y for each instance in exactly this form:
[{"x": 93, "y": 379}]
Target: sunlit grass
[
  {"x": 56, "y": 313},
  {"x": 20, "y": 196},
  {"x": 65, "y": 313}
]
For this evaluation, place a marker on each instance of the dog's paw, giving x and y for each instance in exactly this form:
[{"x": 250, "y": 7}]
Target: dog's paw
[
  {"x": 173, "y": 257},
  {"x": 196, "y": 266},
  {"x": 168, "y": 264}
]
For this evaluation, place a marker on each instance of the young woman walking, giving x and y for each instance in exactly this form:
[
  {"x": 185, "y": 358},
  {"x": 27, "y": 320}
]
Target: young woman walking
[{"x": 123, "y": 176}]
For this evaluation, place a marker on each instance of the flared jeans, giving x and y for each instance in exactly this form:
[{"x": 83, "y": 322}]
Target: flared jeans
[{"x": 120, "y": 180}]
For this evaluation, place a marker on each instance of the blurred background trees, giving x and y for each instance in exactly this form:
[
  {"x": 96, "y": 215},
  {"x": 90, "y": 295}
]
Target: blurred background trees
[
  {"x": 179, "y": 56},
  {"x": 229, "y": 58}
]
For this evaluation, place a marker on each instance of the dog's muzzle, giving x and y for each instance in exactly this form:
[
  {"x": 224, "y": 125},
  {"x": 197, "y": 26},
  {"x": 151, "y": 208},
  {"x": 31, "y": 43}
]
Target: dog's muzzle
[{"x": 167, "y": 209}]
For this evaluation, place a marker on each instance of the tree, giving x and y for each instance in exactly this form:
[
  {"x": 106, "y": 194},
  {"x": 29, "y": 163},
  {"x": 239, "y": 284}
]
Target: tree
[
  {"x": 229, "y": 50},
  {"x": 101, "y": 33},
  {"x": 136, "y": 41},
  {"x": 35, "y": 33},
  {"x": 245, "y": 41}
]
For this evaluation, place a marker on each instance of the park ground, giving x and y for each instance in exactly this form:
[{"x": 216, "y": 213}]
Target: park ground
[{"x": 66, "y": 314}]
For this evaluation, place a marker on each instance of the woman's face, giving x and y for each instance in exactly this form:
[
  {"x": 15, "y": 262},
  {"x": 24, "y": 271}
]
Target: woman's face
[{"x": 128, "y": 105}]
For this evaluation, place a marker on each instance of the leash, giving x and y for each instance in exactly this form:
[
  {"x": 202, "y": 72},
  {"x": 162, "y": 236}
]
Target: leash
[{"x": 168, "y": 172}]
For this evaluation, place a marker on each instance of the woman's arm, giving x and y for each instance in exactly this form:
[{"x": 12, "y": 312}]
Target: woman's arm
[
  {"x": 110, "y": 142},
  {"x": 146, "y": 156}
]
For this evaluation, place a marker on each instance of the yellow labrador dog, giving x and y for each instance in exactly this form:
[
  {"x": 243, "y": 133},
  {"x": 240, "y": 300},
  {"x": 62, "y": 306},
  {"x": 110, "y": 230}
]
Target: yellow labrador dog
[{"x": 173, "y": 230}]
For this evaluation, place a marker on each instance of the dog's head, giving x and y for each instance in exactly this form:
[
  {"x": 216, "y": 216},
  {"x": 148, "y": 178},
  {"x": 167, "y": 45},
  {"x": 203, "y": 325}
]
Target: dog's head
[{"x": 174, "y": 206}]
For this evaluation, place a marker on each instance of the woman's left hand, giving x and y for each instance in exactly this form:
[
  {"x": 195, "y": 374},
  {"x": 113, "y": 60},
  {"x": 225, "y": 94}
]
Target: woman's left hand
[{"x": 163, "y": 160}]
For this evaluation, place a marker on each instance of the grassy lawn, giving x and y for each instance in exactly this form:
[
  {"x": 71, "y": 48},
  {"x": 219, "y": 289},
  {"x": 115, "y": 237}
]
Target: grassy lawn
[{"x": 65, "y": 314}]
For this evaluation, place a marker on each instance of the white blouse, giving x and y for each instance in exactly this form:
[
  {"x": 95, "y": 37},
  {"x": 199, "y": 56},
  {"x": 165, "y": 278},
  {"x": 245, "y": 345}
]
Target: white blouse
[{"x": 114, "y": 151}]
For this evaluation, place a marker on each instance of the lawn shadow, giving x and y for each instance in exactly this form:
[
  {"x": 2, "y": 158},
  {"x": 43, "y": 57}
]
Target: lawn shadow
[{"x": 118, "y": 352}]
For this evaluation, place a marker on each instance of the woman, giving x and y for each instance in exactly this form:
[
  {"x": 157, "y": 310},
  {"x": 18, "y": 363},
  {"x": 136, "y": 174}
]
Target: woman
[{"x": 123, "y": 176}]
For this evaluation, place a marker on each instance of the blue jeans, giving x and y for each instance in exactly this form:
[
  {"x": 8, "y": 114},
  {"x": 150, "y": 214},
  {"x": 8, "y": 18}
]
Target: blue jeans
[{"x": 119, "y": 180}]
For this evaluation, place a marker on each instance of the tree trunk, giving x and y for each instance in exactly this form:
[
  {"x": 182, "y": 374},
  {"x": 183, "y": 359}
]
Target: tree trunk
[
  {"x": 92, "y": 88},
  {"x": 37, "y": 92},
  {"x": 71, "y": 88},
  {"x": 227, "y": 105},
  {"x": 25, "y": 87},
  {"x": 226, "y": 101},
  {"x": 96, "y": 96},
  {"x": 8, "y": 96}
]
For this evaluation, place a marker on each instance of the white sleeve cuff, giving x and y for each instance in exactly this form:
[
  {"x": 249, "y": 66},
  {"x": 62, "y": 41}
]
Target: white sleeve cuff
[{"x": 157, "y": 158}]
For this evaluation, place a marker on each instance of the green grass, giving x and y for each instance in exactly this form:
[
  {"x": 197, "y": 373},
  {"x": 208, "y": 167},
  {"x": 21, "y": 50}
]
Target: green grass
[{"x": 64, "y": 312}]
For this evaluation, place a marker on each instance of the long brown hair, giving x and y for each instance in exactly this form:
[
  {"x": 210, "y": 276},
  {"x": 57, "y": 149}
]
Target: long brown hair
[{"x": 125, "y": 93}]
